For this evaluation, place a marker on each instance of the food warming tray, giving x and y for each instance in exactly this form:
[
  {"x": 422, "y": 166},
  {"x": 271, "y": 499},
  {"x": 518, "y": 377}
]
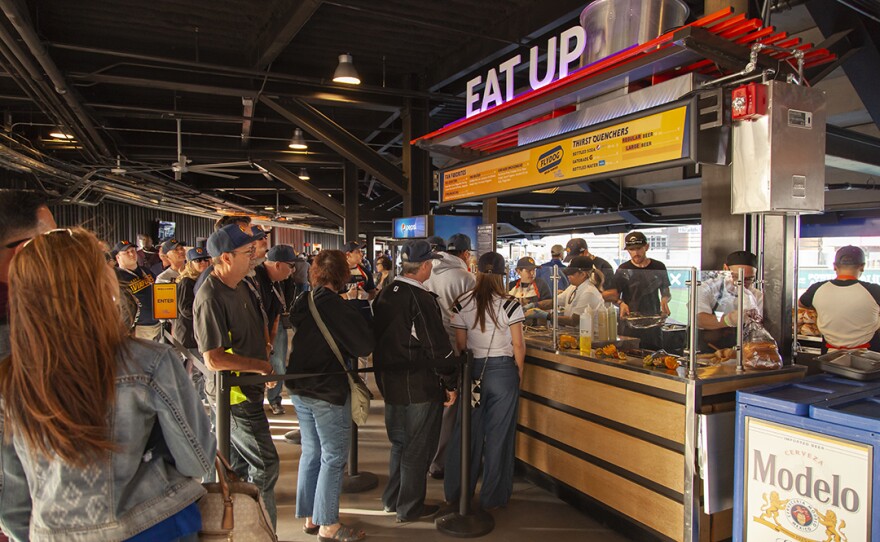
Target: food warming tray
[{"x": 858, "y": 364}]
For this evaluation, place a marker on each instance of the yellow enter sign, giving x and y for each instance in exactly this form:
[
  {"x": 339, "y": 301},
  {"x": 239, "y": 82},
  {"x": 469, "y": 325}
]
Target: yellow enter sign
[{"x": 165, "y": 301}]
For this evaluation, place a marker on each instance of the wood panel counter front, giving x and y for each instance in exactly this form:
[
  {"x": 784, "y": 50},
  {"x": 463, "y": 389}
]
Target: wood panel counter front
[{"x": 616, "y": 433}]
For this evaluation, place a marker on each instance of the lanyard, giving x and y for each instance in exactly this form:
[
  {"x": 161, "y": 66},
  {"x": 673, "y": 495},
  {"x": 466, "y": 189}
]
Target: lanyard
[
  {"x": 250, "y": 284},
  {"x": 281, "y": 298}
]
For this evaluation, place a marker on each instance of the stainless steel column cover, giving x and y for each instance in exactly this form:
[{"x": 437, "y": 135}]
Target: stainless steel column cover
[
  {"x": 722, "y": 232},
  {"x": 780, "y": 286}
]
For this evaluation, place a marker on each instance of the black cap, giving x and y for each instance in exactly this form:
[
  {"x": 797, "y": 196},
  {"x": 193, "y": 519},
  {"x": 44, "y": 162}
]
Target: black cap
[
  {"x": 849, "y": 255},
  {"x": 635, "y": 239},
  {"x": 417, "y": 251},
  {"x": 742, "y": 257},
  {"x": 351, "y": 246},
  {"x": 259, "y": 233},
  {"x": 458, "y": 243},
  {"x": 170, "y": 245},
  {"x": 437, "y": 243},
  {"x": 491, "y": 262},
  {"x": 120, "y": 246},
  {"x": 526, "y": 263},
  {"x": 281, "y": 253},
  {"x": 578, "y": 263},
  {"x": 575, "y": 247}
]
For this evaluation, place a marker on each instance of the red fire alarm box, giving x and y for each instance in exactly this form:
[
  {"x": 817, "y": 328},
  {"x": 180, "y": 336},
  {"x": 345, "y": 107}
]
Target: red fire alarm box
[{"x": 749, "y": 102}]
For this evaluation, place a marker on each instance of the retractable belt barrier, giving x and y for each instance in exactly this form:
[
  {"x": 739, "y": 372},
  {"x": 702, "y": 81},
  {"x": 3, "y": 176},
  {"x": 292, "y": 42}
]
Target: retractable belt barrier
[{"x": 226, "y": 380}]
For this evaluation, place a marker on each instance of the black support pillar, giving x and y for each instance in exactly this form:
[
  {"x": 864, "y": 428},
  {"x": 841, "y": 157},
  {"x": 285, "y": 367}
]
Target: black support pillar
[
  {"x": 416, "y": 162},
  {"x": 351, "y": 225}
]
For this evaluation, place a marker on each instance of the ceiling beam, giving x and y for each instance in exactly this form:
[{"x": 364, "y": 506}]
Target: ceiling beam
[
  {"x": 281, "y": 31},
  {"x": 341, "y": 141},
  {"x": 316, "y": 195},
  {"x": 316, "y": 209}
]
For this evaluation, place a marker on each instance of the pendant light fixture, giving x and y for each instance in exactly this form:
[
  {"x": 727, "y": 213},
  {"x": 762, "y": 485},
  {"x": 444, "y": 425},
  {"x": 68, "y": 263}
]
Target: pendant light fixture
[
  {"x": 298, "y": 142},
  {"x": 345, "y": 72},
  {"x": 303, "y": 174},
  {"x": 61, "y": 134}
]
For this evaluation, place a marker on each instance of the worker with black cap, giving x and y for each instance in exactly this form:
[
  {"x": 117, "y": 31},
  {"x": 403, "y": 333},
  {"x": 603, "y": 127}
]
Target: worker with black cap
[
  {"x": 529, "y": 289},
  {"x": 717, "y": 302},
  {"x": 582, "y": 292},
  {"x": 640, "y": 286},
  {"x": 578, "y": 247},
  {"x": 847, "y": 309}
]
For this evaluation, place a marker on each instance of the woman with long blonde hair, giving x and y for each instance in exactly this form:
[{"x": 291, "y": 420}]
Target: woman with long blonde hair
[
  {"x": 103, "y": 436},
  {"x": 488, "y": 322}
]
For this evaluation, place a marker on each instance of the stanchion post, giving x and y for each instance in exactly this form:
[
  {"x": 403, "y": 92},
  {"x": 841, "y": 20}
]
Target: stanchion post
[
  {"x": 223, "y": 412},
  {"x": 464, "y": 523},
  {"x": 356, "y": 481}
]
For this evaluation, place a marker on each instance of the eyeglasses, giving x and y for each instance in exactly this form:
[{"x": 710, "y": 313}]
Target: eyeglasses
[
  {"x": 250, "y": 252},
  {"x": 50, "y": 232}
]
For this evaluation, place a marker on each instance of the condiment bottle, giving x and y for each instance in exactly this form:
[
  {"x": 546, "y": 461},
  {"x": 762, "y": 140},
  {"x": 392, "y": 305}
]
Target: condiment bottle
[
  {"x": 602, "y": 320},
  {"x": 612, "y": 321},
  {"x": 586, "y": 332}
]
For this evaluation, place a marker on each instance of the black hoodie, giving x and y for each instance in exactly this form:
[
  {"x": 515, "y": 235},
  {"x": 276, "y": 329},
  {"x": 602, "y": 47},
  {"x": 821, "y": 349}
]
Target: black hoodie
[{"x": 312, "y": 354}]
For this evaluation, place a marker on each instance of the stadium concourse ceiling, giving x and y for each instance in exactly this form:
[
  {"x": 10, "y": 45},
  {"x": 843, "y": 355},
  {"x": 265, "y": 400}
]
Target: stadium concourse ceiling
[{"x": 190, "y": 105}]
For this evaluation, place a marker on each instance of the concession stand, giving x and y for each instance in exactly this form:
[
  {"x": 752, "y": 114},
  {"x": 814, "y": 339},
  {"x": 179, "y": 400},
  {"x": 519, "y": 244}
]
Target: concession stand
[{"x": 605, "y": 427}]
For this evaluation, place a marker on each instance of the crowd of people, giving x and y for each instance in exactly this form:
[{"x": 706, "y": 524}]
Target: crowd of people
[{"x": 110, "y": 433}]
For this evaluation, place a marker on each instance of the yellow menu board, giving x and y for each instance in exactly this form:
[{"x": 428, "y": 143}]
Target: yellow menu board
[{"x": 640, "y": 142}]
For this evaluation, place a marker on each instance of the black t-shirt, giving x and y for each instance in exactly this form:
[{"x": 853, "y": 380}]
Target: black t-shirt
[
  {"x": 641, "y": 287},
  {"x": 182, "y": 326},
  {"x": 271, "y": 303},
  {"x": 607, "y": 272},
  {"x": 140, "y": 283},
  {"x": 226, "y": 318}
]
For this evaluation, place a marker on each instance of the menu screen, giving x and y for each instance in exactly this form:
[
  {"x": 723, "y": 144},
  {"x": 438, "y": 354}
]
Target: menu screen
[{"x": 652, "y": 139}]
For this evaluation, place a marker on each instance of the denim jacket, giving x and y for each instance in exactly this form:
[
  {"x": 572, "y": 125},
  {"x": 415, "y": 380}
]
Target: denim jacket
[{"x": 165, "y": 447}]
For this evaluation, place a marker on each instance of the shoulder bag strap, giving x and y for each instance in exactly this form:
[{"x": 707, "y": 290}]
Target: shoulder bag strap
[{"x": 326, "y": 332}]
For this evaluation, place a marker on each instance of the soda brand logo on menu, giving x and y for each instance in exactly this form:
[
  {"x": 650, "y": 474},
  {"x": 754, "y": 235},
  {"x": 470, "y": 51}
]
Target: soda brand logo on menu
[
  {"x": 568, "y": 48},
  {"x": 805, "y": 486}
]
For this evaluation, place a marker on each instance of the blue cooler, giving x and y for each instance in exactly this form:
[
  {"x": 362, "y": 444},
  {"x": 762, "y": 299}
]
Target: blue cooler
[{"x": 806, "y": 456}]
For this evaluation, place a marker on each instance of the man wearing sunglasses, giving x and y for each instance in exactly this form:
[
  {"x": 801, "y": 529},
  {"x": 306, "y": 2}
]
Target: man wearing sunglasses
[
  {"x": 718, "y": 303},
  {"x": 139, "y": 281},
  {"x": 231, "y": 335},
  {"x": 23, "y": 215},
  {"x": 271, "y": 274}
]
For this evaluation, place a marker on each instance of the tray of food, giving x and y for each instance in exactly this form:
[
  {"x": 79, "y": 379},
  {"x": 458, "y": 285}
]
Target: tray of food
[
  {"x": 643, "y": 321},
  {"x": 855, "y": 364}
]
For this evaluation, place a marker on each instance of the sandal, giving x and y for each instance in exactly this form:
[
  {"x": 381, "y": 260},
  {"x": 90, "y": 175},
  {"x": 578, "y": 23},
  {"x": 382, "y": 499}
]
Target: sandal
[
  {"x": 344, "y": 534},
  {"x": 311, "y": 530}
]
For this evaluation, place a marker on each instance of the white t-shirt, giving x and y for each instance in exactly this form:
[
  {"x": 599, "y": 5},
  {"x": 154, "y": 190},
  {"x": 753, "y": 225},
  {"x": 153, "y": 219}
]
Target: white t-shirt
[
  {"x": 576, "y": 299},
  {"x": 718, "y": 294},
  {"x": 492, "y": 342}
]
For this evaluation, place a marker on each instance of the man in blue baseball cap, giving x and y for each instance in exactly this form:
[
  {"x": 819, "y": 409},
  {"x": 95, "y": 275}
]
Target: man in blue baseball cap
[
  {"x": 410, "y": 341},
  {"x": 232, "y": 336},
  {"x": 280, "y": 262},
  {"x": 175, "y": 251},
  {"x": 139, "y": 282}
]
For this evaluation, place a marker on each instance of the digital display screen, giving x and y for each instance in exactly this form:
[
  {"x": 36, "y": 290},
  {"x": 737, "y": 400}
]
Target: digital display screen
[
  {"x": 411, "y": 227},
  {"x": 166, "y": 230}
]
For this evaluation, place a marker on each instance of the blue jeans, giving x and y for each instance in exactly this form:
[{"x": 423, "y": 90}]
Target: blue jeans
[
  {"x": 413, "y": 431},
  {"x": 493, "y": 427},
  {"x": 252, "y": 454},
  {"x": 326, "y": 435},
  {"x": 278, "y": 360}
]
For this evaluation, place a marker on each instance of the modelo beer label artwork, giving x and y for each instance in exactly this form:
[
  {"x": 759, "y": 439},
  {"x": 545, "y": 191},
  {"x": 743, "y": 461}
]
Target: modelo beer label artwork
[{"x": 805, "y": 487}]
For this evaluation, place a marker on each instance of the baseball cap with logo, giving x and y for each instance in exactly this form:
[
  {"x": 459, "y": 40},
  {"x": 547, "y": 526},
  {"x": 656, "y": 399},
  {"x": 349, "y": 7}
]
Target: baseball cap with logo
[
  {"x": 575, "y": 247},
  {"x": 170, "y": 245},
  {"x": 635, "y": 239},
  {"x": 526, "y": 263},
  {"x": 849, "y": 255},
  {"x": 458, "y": 243},
  {"x": 578, "y": 263},
  {"x": 258, "y": 233},
  {"x": 351, "y": 246},
  {"x": 229, "y": 238},
  {"x": 120, "y": 246},
  {"x": 197, "y": 253},
  {"x": 437, "y": 243},
  {"x": 491, "y": 262},
  {"x": 418, "y": 251},
  {"x": 281, "y": 253}
]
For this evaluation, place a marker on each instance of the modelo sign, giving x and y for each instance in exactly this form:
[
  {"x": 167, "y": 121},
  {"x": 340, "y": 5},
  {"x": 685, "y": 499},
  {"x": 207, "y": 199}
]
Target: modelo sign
[
  {"x": 411, "y": 227},
  {"x": 562, "y": 51},
  {"x": 805, "y": 486}
]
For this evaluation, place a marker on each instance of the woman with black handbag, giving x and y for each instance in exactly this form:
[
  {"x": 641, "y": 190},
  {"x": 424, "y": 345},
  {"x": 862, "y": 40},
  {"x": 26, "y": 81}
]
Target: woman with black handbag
[
  {"x": 102, "y": 437},
  {"x": 488, "y": 322},
  {"x": 325, "y": 324}
]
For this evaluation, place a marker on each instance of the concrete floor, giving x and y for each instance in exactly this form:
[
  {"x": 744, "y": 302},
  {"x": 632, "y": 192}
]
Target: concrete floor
[{"x": 532, "y": 515}]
